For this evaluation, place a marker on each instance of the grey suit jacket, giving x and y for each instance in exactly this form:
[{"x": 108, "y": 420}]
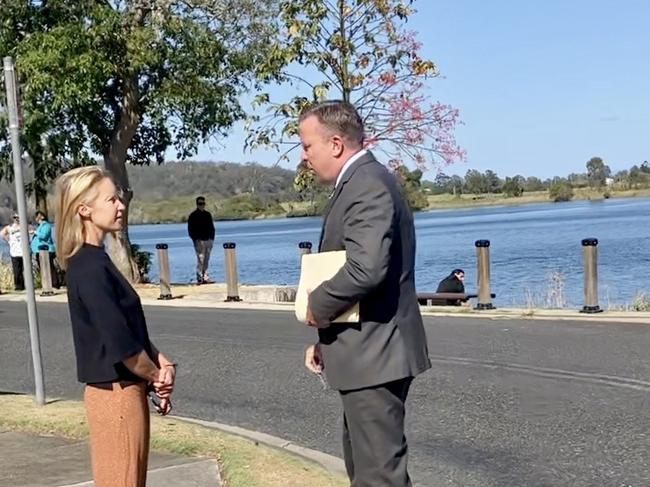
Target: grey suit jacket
[{"x": 369, "y": 218}]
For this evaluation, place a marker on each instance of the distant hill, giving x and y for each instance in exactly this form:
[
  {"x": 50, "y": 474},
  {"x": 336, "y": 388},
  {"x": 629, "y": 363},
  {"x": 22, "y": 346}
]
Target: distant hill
[
  {"x": 221, "y": 180},
  {"x": 179, "y": 180}
]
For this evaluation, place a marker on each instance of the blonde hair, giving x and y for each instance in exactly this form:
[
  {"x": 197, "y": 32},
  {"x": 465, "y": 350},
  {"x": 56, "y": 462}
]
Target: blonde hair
[{"x": 74, "y": 188}]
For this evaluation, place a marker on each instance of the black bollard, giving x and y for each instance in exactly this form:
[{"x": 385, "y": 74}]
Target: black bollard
[
  {"x": 163, "y": 268},
  {"x": 46, "y": 271},
  {"x": 590, "y": 255},
  {"x": 483, "y": 268},
  {"x": 304, "y": 248},
  {"x": 232, "y": 292}
]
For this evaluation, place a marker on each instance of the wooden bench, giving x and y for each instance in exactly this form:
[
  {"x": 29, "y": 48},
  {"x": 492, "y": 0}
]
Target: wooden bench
[{"x": 440, "y": 299}]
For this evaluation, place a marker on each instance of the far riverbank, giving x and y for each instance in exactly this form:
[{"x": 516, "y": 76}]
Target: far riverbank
[{"x": 176, "y": 210}]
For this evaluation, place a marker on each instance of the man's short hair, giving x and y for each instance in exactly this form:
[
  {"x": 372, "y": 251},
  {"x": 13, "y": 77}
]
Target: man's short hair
[
  {"x": 339, "y": 117},
  {"x": 200, "y": 199},
  {"x": 40, "y": 213}
]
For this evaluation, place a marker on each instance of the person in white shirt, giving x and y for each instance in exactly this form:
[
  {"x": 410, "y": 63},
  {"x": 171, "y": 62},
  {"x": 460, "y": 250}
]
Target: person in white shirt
[{"x": 11, "y": 234}]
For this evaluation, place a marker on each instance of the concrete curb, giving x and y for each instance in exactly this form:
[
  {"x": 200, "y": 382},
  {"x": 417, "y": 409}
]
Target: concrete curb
[
  {"x": 330, "y": 463},
  {"x": 213, "y": 301}
]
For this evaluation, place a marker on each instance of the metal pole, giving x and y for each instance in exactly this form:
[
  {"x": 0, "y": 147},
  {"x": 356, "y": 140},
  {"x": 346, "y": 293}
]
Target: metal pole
[
  {"x": 163, "y": 271},
  {"x": 483, "y": 267},
  {"x": 32, "y": 316},
  {"x": 304, "y": 248},
  {"x": 46, "y": 271},
  {"x": 590, "y": 254},
  {"x": 232, "y": 293}
]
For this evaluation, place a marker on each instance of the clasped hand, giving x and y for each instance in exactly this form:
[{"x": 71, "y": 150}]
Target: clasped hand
[{"x": 163, "y": 388}]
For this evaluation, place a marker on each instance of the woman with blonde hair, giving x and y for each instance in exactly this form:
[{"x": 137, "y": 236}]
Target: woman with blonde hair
[{"x": 115, "y": 358}]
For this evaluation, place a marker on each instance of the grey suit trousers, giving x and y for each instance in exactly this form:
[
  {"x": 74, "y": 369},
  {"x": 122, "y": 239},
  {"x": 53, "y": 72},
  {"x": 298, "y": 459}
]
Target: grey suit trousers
[{"x": 374, "y": 445}]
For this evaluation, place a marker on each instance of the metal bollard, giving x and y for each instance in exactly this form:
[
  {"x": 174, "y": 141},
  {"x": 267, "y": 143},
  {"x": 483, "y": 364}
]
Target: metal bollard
[
  {"x": 232, "y": 293},
  {"x": 590, "y": 254},
  {"x": 483, "y": 271},
  {"x": 46, "y": 271},
  {"x": 304, "y": 248},
  {"x": 163, "y": 267}
]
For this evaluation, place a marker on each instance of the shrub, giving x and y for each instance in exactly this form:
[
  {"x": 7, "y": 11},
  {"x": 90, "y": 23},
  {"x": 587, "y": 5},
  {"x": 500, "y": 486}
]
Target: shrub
[
  {"x": 143, "y": 261},
  {"x": 6, "y": 275},
  {"x": 560, "y": 191},
  {"x": 641, "y": 302}
]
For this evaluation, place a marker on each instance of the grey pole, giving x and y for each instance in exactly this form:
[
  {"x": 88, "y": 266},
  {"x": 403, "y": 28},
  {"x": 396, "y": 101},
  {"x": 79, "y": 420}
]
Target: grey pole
[
  {"x": 590, "y": 254},
  {"x": 483, "y": 268},
  {"x": 32, "y": 316},
  {"x": 163, "y": 271},
  {"x": 46, "y": 271},
  {"x": 232, "y": 292},
  {"x": 304, "y": 248}
]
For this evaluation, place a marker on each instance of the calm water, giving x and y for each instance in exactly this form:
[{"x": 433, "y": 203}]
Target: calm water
[{"x": 528, "y": 245}]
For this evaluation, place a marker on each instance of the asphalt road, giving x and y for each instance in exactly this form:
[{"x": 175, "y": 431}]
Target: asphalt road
[{"x": 507, "y": 403}]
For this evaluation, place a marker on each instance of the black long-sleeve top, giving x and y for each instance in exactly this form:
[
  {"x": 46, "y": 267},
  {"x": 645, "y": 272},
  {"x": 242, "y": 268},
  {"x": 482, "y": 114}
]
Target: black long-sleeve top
[
  {"x": 108, "y": 323},
  {"x": 200, "y": 225}
]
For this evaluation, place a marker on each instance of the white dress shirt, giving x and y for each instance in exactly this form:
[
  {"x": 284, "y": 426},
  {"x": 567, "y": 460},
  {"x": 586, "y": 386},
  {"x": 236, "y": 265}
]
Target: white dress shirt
[{"x": 347, "y": 165}]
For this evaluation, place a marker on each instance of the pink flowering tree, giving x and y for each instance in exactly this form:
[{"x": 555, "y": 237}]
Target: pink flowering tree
[{"x": 359, "y": 51}]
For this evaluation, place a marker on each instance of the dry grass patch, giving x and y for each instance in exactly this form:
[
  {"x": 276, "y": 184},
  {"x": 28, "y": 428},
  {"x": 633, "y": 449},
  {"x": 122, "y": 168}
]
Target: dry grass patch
[{"x": 243, "y": 463}]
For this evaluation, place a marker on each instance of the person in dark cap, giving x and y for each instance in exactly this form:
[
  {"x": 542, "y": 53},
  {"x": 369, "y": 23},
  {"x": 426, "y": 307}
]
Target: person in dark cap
[{"x": 453, "y": 283}]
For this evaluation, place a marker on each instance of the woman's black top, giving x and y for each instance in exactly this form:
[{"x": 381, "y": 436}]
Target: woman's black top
[{"x": 108, "y": 324}]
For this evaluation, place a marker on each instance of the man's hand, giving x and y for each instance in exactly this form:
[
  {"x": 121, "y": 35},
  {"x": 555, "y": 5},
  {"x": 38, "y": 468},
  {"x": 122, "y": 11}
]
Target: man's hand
[
  {"x": 312, "y": 321},
  {"x": 314, "y": 359}
]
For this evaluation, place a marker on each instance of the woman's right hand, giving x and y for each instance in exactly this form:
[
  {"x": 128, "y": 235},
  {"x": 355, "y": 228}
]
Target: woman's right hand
[{"x": 164, "y": 386}]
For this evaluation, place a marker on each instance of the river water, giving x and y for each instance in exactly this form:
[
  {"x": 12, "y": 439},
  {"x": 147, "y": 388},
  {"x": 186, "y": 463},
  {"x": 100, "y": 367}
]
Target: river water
[{"x": 536, "y": 252}]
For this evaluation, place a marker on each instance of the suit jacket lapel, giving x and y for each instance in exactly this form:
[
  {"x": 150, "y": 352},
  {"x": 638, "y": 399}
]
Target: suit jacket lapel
[{"x": 366, "y": 158}]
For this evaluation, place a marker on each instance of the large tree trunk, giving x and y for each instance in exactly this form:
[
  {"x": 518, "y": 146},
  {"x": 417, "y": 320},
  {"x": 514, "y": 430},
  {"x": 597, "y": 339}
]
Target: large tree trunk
[{"x": 118, "y": 245}]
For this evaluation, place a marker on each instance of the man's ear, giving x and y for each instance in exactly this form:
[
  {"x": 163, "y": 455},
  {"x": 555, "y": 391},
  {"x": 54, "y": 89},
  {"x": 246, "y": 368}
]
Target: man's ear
[{"x": 337, "y": 145}]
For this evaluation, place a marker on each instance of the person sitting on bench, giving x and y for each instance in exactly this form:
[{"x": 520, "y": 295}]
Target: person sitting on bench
[{"x": 453, "y": 283}]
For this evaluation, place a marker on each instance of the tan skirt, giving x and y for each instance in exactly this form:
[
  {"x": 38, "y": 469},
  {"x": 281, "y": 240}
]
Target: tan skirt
[{"x": 118, "y": 419}]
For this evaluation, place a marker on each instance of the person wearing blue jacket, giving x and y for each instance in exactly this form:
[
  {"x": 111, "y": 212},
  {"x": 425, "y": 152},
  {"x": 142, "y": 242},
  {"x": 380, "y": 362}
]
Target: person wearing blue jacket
[{"x": 43, "y": 237}]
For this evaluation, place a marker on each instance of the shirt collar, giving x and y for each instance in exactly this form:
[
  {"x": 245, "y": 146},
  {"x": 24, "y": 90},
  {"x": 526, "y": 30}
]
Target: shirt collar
[{"x": 348, "y": 163}]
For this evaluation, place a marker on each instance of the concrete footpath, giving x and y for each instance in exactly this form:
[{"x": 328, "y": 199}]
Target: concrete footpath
[{"x": 29, "y": 460}]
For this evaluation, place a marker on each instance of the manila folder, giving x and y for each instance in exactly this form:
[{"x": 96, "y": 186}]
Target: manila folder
[{"x": 315, "y": 269}]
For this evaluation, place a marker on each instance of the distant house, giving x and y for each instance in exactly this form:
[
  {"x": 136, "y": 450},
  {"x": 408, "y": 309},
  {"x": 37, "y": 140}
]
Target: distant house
[{"x": 609, "y": 181}]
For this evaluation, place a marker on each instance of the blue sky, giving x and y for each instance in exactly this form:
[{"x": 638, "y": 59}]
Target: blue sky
[{"x": 541, "y": 86}]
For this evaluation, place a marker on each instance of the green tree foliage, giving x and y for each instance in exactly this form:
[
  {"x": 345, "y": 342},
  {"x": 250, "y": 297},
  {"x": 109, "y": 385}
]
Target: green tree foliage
[
  {"x": 560, "y": 190},
  {"x": 359, "y": 51},
  {"x": 597, "y": 172},
  {"x": 512, "y": 187},
  {"x": 246, "y": 206},
  {"x": 411, "y": 185},
  {"x": 128, "y": 80},
  {"x": 492, "y": 182},
  {"x": 534, "y": 184},
  {"x": 475, "y": 182}
]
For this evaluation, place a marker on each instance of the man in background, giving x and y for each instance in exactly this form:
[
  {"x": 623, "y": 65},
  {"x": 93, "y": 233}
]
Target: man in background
[
  {"x": 453, "y": 283},
  {"x": 200, "y": 227},
  {"x": 11, "y": 235}
]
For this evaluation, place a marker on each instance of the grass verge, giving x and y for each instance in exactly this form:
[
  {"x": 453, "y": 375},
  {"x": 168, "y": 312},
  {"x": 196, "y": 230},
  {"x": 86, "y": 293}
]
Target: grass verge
[{"x": 243, "y": 463}]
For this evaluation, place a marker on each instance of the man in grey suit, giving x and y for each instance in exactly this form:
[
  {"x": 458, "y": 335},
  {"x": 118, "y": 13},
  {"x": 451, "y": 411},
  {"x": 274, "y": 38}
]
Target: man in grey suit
[{"x": 370, "y": 363}]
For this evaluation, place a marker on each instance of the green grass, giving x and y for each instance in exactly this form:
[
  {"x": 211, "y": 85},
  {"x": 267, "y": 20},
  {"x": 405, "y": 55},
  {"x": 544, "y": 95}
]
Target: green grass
[
  {"x": 243, "y": 463},
  {"x": 444, "y": 201}
]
